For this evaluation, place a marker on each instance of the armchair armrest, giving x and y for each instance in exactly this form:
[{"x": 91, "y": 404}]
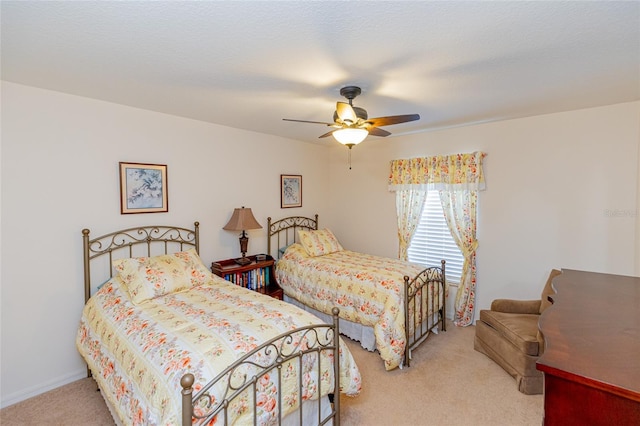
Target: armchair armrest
[{"x": 516, "y": 306}]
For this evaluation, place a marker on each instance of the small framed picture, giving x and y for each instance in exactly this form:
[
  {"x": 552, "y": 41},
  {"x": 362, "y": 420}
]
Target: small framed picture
[
  {"x": 143, "y": 188},
  {"x": 290, "y": 191}
]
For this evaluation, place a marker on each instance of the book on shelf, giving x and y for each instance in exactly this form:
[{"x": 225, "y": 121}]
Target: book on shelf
[{"x": 254, "y": 279}]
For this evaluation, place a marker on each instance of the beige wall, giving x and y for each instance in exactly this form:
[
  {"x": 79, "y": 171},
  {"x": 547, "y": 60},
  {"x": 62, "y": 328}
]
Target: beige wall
[
  {"x": 550, "y": 180},
  {"x": 637, "y": 212},
  {"x": 562, "y": 192},
  {"x": 60, "y": 157}
]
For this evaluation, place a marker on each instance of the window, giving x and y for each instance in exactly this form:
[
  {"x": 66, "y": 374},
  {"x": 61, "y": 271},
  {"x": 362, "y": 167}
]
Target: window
[{"x": 432, "y": 241}]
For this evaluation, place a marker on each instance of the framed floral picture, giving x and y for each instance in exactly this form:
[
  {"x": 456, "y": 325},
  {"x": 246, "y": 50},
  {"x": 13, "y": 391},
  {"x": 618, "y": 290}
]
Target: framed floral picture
[
  {"x": 290, "y": 191},
  {"x": 143, "y": 188}
]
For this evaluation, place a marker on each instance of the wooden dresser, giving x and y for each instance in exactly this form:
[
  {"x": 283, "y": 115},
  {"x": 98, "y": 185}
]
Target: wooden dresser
[{"x": 591, "y": 362}]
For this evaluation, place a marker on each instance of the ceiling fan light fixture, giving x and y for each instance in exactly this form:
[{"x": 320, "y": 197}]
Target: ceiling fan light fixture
[{"x": 350, "y": 136}]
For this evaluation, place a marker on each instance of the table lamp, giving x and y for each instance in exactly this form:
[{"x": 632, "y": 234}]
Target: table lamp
[{"x": 242, "y": 220}]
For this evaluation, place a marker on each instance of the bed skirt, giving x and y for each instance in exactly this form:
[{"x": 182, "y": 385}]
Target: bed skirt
[{"x": 352, "y": 330}]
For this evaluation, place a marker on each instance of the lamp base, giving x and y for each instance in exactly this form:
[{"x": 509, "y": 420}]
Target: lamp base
[{"x": 243, "y": 261}]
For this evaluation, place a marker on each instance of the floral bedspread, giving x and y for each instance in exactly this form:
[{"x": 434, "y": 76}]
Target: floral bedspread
[
  {"x": 368, "y": 289},
  {"x": 138, "y": 354}
]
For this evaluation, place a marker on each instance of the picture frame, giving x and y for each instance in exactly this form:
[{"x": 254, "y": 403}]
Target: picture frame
[
  {"x": 143, "y": 188},
  {"x": 290, "y": 191}
]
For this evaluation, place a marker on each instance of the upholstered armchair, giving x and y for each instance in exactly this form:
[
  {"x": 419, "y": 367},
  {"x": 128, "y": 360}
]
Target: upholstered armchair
[{"x": 508, "y": 334}]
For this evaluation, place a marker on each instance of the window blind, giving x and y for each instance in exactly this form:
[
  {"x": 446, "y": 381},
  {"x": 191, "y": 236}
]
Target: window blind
[{"x": 432, "y": 241}]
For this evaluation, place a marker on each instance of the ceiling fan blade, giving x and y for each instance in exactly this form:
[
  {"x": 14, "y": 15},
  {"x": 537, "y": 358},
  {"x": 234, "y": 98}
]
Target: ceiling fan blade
[
  {"x": 307, "y": 121},
  {"x": 375, "y": 131},
  {"x": 346, "y": 112},
  {"x": 393, "y": 119},
  {"x": 326, "y": 134}
]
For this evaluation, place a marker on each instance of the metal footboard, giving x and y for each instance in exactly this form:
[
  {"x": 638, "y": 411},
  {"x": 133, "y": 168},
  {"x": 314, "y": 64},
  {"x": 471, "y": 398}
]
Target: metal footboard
[
  {"x": 242, "y": 377},
  {"x": 424, "y": 306}
]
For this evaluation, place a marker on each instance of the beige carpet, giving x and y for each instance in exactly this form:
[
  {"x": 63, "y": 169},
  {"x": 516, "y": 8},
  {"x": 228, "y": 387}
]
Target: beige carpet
[{"x": 448, "y": 383}]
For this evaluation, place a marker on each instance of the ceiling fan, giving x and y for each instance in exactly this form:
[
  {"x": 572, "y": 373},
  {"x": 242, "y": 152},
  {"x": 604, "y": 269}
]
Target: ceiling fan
[{"x": 352, "y": 124}]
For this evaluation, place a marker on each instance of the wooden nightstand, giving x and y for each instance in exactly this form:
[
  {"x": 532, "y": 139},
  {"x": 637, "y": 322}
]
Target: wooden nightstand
[{"x": 257, "y": 276}]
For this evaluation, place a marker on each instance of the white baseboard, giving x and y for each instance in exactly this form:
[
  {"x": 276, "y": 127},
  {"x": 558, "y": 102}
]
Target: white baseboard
[{"x": 15, "y": 397}]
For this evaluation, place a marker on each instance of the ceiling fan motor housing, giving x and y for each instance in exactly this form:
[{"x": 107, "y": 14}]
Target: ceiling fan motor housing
[{"x": 360, "y": 113}]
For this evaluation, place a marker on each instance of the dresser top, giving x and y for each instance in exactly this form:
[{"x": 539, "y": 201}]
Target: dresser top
[{"x": 592, "y": 331}]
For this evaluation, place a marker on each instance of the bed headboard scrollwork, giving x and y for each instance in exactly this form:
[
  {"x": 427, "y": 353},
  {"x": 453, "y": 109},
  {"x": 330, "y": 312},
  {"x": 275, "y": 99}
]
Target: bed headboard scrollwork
[
  {"x": 284, "y": 231},
  {"x": 143, "y": 241}
]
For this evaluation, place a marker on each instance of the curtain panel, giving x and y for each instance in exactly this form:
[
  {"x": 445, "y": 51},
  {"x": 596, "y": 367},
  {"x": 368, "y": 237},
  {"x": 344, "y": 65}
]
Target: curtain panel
[
  {"x": 441, "y": 172},
  {"x": 460, "y": 212},
  {"x": 409, "y": 205}
]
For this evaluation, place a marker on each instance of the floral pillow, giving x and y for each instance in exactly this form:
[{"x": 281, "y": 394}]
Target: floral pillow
[
  {"x": 150, "y": 277},
  {"x": 319, "y": 242}
]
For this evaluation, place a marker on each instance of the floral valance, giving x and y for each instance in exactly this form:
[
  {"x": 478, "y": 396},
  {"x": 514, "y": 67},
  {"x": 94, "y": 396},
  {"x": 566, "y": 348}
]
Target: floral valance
[{"x": 442, "y": 172}]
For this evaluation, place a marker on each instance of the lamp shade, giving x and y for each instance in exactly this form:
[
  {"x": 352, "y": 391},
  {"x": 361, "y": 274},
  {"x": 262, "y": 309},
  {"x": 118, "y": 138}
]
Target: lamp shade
[
  {"x": 241, "y": 220},
  {"x": 350, "y": 135}
]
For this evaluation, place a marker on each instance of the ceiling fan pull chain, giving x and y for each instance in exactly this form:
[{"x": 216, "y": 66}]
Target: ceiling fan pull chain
[{"x": 349, "y": 158}]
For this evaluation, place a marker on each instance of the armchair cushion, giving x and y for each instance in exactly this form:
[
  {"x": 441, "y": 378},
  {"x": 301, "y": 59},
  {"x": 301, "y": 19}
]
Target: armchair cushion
[{"x": 521, "y": 330}]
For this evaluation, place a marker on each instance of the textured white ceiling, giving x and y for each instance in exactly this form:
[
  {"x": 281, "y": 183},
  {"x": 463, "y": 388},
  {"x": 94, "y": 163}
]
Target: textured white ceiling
[{"x": 249, "y": 64}]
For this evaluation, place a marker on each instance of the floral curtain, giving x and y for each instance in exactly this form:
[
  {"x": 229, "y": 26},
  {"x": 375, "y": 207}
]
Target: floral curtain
[
  {"x": 460, "y": 213},
  {"x": 458, "y": 178},
  {"x": 409, "y": 206},
  {"x": 442, "y": 172}
]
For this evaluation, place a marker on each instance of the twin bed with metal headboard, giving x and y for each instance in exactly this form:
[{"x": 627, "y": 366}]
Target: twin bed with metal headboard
[
  {"x": 387, "y": 305},
  {"x": 168, "y": 342}
]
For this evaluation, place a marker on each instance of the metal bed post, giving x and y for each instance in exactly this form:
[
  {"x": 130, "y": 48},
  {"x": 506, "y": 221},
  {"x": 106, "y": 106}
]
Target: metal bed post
[
  {"x": 406, "y": 320},
  {"x": 444, "y": 296},
  {"x": 187, "y": 405},
  {"x": 87, "y": 271},
  {"x": 269, "y": 236},
  {"x": 196, "y": 226},
  {"x": 336, "y": 364}
]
